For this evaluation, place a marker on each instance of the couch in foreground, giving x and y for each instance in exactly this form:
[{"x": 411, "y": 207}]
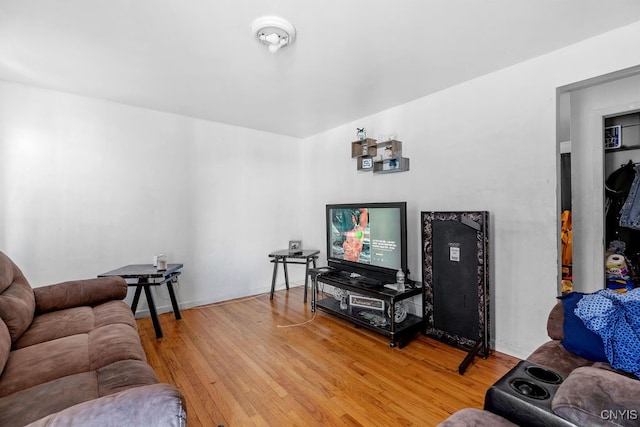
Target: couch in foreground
[
  {"x": 70, "y": 354},
  {"x": 567, "y": 381}
]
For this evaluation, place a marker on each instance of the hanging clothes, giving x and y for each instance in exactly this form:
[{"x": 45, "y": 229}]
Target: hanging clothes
[
  {"x": 566, "y": 243},
  {"x": 566, "y": 239},
  {"x": 630, "y": 212},
  {"x": 617, "y": 187},
  {"x": 622, "y": 210}
]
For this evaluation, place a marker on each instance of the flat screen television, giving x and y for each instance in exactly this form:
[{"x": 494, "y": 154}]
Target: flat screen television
[{"x": 369, "y": 239}]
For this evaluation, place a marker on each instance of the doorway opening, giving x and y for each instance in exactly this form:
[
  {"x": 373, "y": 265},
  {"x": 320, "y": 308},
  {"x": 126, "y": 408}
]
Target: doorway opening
[{"x": 584, "y": 110}]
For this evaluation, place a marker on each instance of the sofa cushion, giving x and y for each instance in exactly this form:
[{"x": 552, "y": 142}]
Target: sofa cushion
[
  {"x": 113, "y": 312},
  {"x": 29, "y": 405},
  {"x": 111, "y": 343},
  {"x": 57, "y": 324},
  {"x": 555, "y": 357},
  {"x": 17, "y": 305},
  {"x": 17, "y": 302},
  {"x": 50, "y": 360},
  {"x": 5, "y": 345},
  {"x": 577, "y": 338},
  {"x": 25, "y": 406},
  {"x": 44, "y": 362},
  {"x": 124, "y": 374},
  {"x": 78, "y": 320},
  {"x": 472, "y": 417},
  {"x": 592, "y": 396},
  {"x": 151, "y": 405}
]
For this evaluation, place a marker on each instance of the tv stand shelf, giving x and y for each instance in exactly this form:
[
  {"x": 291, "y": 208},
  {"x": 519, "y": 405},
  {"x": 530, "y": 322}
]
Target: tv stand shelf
[{"x": 401, "y": 332}]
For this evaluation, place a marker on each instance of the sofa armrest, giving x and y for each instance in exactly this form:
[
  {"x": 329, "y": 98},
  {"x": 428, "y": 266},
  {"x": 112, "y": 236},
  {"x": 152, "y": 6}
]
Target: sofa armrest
[
  {"x": 593, "y": 396},
  {"x": 151, "y": 405},
  {"x": 77, "y": 293}
]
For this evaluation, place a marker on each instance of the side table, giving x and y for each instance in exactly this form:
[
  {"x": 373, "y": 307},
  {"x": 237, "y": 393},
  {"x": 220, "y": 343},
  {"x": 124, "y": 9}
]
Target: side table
[
  {"x": 144, "y": 272},
  {"x": 292, "y": 257}
]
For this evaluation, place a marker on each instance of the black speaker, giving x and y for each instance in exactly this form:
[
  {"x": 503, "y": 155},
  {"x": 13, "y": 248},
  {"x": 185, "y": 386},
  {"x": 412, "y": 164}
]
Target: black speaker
[
  {"x": 524, "y": 396},
  {"x": 455, "y": 277}
]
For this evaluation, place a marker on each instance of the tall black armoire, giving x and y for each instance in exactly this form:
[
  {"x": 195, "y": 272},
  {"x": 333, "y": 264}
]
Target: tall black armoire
[{"x": 455, "y": 275}]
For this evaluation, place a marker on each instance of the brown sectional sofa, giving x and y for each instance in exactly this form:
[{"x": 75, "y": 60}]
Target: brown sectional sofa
[
  {"x": 591, "y": 393},
  {"x": 70, "y": 354}
]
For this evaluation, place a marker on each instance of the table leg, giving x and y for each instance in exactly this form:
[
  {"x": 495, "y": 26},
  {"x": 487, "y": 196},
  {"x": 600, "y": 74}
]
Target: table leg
[
  {"x": 392, "y": 319},
  {"x": 306, "y": 277},
  {"x": 275, "y": 274},
  {"x": 314, "y": 290},
  {"x": 152, "y": 310},
  {"x": 136, "y": 298},
  {"x": 286, "y": 272},
  {"x": 174, "y": 302},
  {"x": 312, "y": 287}
]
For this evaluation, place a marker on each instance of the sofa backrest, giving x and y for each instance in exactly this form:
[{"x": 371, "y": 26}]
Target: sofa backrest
[
  {"x": 17, "y": 301},
  {"x": 555, "y": 322},
  {"x": 5, "y": 345}
]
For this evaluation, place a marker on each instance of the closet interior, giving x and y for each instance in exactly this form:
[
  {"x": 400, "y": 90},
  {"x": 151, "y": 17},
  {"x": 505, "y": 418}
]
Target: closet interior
[{"x": 622, "y": 201}]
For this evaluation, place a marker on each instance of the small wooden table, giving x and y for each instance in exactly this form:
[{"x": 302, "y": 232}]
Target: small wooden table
[
  {"x": 300, "y": 257},
  {"x": 144, "y": 272}
]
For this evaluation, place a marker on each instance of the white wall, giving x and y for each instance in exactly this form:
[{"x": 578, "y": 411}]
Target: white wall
[
  {"x": 94, "y": 185},
  {"x": 488, "y": 144}
]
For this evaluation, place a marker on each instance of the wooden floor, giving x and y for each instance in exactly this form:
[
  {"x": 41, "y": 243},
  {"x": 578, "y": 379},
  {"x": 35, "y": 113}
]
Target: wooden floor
[{"x": 244, "y": 363}]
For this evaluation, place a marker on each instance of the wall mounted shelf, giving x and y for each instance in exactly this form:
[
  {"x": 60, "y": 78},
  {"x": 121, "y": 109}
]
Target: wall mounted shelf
[
  {"x": 399, "y": 164},
  {"x": 379, "y": 157},
  {"x": 366, "y": 147}
]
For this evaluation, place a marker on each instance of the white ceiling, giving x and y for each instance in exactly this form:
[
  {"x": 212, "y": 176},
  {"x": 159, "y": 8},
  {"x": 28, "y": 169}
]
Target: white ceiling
[{"x": 351, "y": 58}]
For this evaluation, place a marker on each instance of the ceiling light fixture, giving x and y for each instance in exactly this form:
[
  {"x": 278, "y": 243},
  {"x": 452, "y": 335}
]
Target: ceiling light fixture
[{"x": 274, "y": 32}]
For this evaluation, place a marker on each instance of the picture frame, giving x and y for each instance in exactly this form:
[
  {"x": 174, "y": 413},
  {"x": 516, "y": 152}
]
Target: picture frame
[
  {"x": 613, "y": 137},
  {"x": 295, "y": 245},
  {"x": 365, "y": 164}
]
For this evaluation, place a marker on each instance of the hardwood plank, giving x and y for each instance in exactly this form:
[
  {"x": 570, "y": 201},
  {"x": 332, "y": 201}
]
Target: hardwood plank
[{"x": 261, "y": 362}]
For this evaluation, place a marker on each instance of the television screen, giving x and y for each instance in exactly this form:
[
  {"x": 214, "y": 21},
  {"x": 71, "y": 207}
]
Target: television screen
[{"x": 367, "y": 238}]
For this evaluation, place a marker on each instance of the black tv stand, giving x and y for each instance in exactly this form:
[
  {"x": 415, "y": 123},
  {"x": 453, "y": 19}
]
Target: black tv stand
[{"x": 400, "y": 332}]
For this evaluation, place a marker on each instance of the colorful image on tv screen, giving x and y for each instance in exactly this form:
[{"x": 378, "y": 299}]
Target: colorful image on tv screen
[{"x": 367, "y": 236}]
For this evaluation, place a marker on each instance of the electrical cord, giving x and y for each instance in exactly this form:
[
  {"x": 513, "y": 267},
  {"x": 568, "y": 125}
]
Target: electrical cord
[
  {"x": 235, "y": 301},
  {"x": 299, "y": 324}
]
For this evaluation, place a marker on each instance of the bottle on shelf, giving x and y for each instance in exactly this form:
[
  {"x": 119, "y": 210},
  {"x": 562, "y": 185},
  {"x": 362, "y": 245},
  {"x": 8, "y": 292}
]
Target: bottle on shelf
[{"x": 400, "y": 280}]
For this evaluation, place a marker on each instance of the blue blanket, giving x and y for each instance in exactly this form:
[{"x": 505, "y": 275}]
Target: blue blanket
[{"x": 616, "y": 318}]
